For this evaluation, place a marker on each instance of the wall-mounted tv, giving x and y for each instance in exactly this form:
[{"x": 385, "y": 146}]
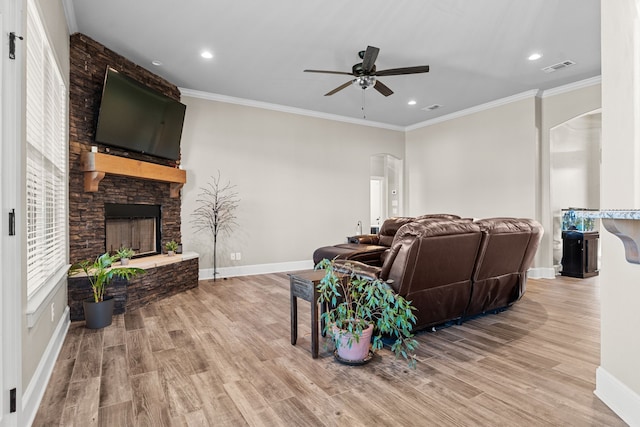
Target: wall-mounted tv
[{"x": 137, "y": 118}]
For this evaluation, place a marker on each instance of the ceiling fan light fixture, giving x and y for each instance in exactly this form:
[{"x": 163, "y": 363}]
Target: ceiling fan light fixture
[{"x": 364, "y": 82}]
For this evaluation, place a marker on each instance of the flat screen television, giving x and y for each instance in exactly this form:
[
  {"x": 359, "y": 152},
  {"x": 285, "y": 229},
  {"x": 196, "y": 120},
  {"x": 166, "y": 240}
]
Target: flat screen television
[{"x": 137, "y": 118}]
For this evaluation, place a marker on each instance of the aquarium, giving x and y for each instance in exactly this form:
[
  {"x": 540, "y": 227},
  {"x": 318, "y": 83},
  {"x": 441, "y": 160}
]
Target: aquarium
[{"x": 579, "y": 219}]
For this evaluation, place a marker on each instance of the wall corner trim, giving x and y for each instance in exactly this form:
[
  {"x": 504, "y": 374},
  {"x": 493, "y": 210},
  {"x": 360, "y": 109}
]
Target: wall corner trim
[
  {"x": 618, "y": 396},
  {"x": 70, "y": 14}
]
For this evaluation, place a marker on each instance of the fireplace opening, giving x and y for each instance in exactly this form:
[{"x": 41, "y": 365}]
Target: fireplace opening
[{"x": 133, "y": 226}]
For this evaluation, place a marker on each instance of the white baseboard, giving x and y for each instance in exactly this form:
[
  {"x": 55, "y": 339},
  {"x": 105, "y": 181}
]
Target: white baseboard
[
  {"x": 617, "y": 396},
  {"x": 250, "y": 270},
  {"x": 32, "y": 396},
  {"x": 541, "y": 273}
]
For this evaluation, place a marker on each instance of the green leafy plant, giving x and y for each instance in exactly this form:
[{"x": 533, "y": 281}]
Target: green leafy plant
[
  {"x": 101, "y": 273},
  {"x": 125, "y": 252},
  {"x": 355, "y": 301},
  {"x": 171, "y": 246}
]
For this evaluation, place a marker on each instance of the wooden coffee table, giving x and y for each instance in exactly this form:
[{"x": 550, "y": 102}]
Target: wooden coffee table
[{"x": 304, "y": 285}]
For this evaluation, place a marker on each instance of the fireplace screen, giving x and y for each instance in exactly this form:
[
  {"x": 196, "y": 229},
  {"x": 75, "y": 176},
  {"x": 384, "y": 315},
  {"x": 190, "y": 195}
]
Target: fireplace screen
[{"x": 133, "y": 226}]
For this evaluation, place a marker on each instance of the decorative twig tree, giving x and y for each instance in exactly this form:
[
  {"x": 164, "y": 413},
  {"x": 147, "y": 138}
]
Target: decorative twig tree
[{"x": 215, "y": 213}]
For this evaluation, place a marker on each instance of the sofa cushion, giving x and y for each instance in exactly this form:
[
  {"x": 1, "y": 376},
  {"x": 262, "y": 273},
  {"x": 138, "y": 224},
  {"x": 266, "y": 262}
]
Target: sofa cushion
[
  {"x": 387, "y": 258},
  {"x": 508, "y": 246},
  {"x": 389, "y": 229},
  {"x": 442, "y": 216},
  {"x": 433, "y": 267}
]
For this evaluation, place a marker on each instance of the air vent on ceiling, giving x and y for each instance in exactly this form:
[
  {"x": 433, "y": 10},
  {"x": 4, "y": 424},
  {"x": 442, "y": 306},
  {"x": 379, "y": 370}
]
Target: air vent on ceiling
[
  {"x": 432, "y": 107},
  {"x": 558, "y": 66}
]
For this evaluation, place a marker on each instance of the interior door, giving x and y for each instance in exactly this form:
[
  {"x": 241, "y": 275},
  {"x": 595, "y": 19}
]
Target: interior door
[
  {"x": 3, "y": 401},
  {"x": 9, "y": 276}
]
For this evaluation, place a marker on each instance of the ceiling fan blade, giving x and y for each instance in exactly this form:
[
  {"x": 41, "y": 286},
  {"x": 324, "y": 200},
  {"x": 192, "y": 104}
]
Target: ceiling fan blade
[
  {"x": 382, "y": 88},
  {"x": 328, "y": 72},
  {"x": 404, "y": 70},
  {"x": 338, "y": 89},
  {"x": 369, "y": 59}
]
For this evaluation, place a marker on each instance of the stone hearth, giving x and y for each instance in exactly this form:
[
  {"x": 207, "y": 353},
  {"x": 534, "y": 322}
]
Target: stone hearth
[{"x": 165, "y": 276}]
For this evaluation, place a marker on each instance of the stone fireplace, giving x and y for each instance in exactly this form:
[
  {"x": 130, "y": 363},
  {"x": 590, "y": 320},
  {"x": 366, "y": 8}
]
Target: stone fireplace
[{"x": 96, "y": 221}]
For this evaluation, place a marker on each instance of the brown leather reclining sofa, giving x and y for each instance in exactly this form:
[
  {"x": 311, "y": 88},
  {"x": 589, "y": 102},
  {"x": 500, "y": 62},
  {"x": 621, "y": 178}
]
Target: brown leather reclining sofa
[
  {"x": 450, "y": 268},
  {"x": 371, "y": 248}
]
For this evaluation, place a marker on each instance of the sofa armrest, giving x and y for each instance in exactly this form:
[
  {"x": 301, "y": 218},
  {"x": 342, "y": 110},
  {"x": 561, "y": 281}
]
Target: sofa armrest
[
  {"x": 358, "y": 268},
  {"x": 364, "y": 239}
]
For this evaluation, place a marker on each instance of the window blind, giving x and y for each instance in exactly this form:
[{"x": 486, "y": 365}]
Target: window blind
[{"x": 46, "y": 157}]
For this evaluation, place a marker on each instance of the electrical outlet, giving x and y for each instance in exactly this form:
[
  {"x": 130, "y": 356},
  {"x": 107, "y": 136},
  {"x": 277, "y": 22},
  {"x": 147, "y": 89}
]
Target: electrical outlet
[
  {"x": 238, "y": 256},
  {"x": 53, "y": 311},
  {"x": 233, "y": 256}
]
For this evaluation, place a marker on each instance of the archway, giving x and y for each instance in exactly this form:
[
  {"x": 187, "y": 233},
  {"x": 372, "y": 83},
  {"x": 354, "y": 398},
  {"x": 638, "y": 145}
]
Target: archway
[{"x": 574, "y": 170}]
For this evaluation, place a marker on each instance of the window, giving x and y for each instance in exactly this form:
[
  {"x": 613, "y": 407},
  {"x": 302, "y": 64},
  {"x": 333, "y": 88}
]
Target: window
[{"x": 46, "y": 157}]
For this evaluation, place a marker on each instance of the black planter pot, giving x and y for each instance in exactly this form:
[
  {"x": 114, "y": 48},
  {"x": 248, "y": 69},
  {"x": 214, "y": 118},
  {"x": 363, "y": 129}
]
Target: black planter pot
[{"x": 98, "y": 315}]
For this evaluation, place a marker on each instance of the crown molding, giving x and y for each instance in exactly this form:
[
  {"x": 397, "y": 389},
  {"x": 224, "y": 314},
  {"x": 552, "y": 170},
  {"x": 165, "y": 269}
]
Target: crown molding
[
  {"x": 70, "y": 14},
  {"x": 284, "y": 109},
  {"x": 572, "y": 86},
  {"x": 472, "y": 110},
  {"x": 482, "y": 107}
]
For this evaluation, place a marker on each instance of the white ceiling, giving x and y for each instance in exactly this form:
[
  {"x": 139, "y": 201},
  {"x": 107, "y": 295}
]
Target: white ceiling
[{"x": 477, "y": 49}]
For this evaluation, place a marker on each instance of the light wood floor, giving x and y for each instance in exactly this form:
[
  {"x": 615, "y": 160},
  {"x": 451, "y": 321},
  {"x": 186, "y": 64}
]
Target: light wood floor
[{"x": 221, "y": 355}]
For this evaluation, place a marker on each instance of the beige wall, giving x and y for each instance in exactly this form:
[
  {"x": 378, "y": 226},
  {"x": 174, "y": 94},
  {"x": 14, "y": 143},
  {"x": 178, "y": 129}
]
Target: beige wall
[
  {"x": 479, "y": 165},
  {"x": 58, "y": 32},
  {"x": 303, "y": 181},
  {"x": 36, "y": 338},
  {"x": 618, "y": 378}
]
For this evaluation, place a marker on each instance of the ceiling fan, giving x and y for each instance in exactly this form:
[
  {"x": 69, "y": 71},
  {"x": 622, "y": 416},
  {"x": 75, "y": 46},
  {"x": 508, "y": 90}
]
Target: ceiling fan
[{"x": 365, "y": 73}]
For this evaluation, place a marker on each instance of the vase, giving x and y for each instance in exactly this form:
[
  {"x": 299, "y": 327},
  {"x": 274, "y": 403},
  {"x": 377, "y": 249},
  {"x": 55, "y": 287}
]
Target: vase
[
  {"x": 171, "y": 253},
  {"x": 358, "y": 351},
  {"x": 124, "y": 261},
  {"x": 98, "y": 315}
]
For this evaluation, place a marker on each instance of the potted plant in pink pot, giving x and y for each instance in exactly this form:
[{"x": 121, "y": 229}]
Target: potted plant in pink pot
[{"x": 361, "y": 311}]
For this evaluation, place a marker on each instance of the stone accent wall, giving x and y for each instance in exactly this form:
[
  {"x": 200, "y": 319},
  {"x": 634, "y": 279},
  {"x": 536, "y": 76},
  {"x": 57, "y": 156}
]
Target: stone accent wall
[
  {"x": 89, "y": 62},
  {"x": 157, "y": 283}
]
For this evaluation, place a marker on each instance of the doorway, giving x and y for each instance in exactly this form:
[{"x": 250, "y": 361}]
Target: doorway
[
  {"x": 575, "y": 148},
  {"x": 385, "y": 188}
]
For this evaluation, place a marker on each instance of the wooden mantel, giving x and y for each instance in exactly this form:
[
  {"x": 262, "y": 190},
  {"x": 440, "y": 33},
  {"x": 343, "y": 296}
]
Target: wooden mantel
[{"x": 96, "y": 165}]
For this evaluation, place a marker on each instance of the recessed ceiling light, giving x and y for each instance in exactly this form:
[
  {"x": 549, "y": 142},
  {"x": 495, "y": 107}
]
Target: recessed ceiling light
[
  {"x": 412, "y": 102},
  {"x": 156, "y": 63},
  {"x": 535, "y": 56},
  {"x": 206, "y": 54}
]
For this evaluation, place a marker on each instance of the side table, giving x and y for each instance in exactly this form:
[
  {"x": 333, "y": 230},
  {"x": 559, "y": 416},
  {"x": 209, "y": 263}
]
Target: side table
[{"x": 303, "y": 285}]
